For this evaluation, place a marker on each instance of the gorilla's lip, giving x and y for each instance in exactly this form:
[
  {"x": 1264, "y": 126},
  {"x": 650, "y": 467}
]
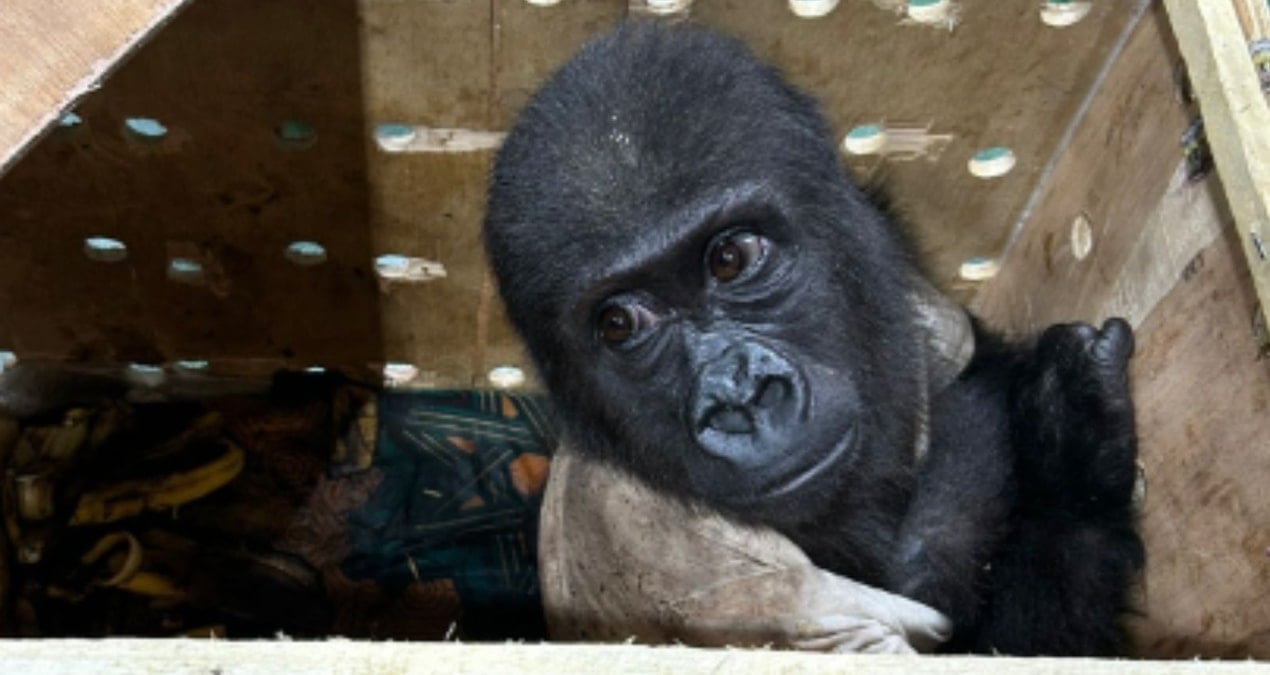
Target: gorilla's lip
[{"x": 784, "y": 486}]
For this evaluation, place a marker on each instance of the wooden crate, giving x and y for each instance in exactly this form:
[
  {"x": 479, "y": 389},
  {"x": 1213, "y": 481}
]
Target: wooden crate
[{"x": 279, "y": 122}]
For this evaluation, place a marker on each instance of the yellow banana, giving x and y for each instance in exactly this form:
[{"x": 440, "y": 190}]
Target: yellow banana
[
  {"x": 132, "y": 497},
  {"x": 152, "y": 585},
  {"x": 63, "y": 442}
]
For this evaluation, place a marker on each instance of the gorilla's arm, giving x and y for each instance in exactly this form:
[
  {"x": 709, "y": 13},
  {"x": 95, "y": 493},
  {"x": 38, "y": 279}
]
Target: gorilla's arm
[
  {"x": 1075, "y": 549},
  {"x": 1049, "y": 429}
]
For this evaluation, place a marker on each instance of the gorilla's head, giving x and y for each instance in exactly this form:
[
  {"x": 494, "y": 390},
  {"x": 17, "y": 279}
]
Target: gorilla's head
[{"x": 711, "y": 302}]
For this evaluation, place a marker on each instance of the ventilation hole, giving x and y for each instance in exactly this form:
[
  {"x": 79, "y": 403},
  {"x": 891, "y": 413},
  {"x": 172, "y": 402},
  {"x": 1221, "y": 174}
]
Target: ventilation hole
[
  {"x": 70, "y": 120},
  {"x": 7, "y": 359},
  {"x": 192, "y": 366},
  {"x": 812, "y": 9},
  {"x": 296, "y": 134},
  {"x": 399, "y": 374},
  {"x": 145, "y": 374},
  {"x": 394, "y": 267},
  {"x": 391, "y": 265},
  {"x": 979, "y": 269},
  {"x": 866, "y": 139},
  {"x": 667, "y": 6},
  {"x": 185, "y": 270},
  {"x": 394, "y": 137},
  {"x": 145, "y": 128},
  {"x": 506, "y": 377},
  {"x": 105, "y": 249},
  {"x": 315, "y": 370},
  {"x": 543, "y": 3},
  {"x": 306, "y": 253},
  {"x": 929, "y": 11},
  {"x": 1082, "y": 237},
  {"x": 992, "y": 162},
  {"x": 1063, "y": 13}
]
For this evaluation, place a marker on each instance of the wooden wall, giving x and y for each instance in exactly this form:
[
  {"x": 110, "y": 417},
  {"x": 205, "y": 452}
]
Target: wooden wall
[
  {"x": 1166, "y": 256},
  {"x": 222, "y": 189},
  {"x": 1093, "y": 113}
]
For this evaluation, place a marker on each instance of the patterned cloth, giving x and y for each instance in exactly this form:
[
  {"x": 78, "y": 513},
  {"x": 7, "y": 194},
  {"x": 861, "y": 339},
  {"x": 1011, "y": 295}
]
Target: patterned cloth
[{"x": 458, "y": 501}]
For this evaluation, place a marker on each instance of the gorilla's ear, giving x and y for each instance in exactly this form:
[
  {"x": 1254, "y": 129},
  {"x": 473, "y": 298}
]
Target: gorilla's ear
[{"x": 949, "y": 339}]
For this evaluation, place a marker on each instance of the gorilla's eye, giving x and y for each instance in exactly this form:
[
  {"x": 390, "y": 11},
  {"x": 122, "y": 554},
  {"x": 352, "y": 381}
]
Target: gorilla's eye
[
  {"x": 623, "y": 320},
  {"x": 617, "y": 324},
  {"x": 730, "y": 256}
]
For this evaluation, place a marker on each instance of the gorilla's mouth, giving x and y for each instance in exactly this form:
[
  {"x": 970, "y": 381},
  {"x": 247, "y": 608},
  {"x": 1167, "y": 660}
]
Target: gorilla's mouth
[
  {"x": 798, "y": 478},
  {"x": 777, "y": 480}
]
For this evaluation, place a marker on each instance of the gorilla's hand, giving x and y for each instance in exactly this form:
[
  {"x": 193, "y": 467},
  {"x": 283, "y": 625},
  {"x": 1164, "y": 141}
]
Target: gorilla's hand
[{"x": 1073, "y": 419}]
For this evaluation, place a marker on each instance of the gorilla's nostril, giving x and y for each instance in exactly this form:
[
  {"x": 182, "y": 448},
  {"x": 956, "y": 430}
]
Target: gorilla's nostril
[
  {"x": 772, "y": 392},
  {"x": 730, "y": 420}
]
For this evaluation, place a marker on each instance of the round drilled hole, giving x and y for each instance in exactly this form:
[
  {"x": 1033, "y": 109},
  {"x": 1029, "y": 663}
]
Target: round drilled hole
[
  {"x": 812, "y": 9},
  {"x": 929, "y": 11},
  {"x": 667, "y": 6},
  {"x": 306, "y": 253},
  {"x": 506, "y": 377},
  {"x": 979, "y": 269},
  {"x": 145, "y": 374},
  {"x": 400, "y": 374},
  {"x": 394, "y": 137},
  {"x": 1082, "y": 237},
  {"x": 145, "y": 128},
  {"x": 191, "y": 365},
  {"x": 392, "y": 265},
  {"x": 866, "y": 139},
  {"x": 296, "y": 134},
  {"x": 1063, "y": 13},
  {"x": 105, "y": 249},
  {"x": 992, "y": 162},
  {"x": 185, "y": 270},
  {"x": 7, "y": 359}
]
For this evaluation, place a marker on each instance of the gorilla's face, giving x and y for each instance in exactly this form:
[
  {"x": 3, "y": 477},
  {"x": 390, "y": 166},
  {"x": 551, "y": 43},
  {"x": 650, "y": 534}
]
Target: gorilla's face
[
  {"x": 712, "y": 304},
  {"x": 716, "y": 357}
]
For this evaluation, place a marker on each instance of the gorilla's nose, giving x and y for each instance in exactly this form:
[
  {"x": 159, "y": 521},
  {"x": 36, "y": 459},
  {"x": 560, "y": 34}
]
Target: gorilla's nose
[{"x": 746, "y": 403}]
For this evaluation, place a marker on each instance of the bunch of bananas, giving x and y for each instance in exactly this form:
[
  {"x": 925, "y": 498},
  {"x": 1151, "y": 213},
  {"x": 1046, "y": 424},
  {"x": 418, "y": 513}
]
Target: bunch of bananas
[{"x": 52, "y": 488}]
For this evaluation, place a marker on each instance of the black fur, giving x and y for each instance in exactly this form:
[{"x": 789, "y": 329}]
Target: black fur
[{"x": 788, "y": 396}]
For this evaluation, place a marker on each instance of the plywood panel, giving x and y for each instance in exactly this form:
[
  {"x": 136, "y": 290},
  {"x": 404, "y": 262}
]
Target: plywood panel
[
  {"x": 532, "y": 41},
  {"x": 429, "y": 64},
  {"x": 1113, "y": 174},
  {"x": 54, "y": 51},
  {"x": 1000, "y": 78},
  {"x": 220, "y": 187},
  {"x": 1203, "y": 397}
]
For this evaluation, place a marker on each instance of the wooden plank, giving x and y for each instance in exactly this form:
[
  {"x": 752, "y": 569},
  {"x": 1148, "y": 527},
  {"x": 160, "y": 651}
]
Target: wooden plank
[
  {"x": 55, "y": 51},
  {"x": 197, "y": 657},
  {"x": 1236, "y": 119}
]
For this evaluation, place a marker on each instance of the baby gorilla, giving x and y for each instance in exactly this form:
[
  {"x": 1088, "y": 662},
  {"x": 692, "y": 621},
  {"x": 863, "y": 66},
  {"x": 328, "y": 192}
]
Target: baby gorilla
[{"x": 717, "y": 309}]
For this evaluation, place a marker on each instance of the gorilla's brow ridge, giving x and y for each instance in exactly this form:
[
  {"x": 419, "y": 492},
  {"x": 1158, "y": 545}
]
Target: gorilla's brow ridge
[{"x": 681, "y": 236}]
